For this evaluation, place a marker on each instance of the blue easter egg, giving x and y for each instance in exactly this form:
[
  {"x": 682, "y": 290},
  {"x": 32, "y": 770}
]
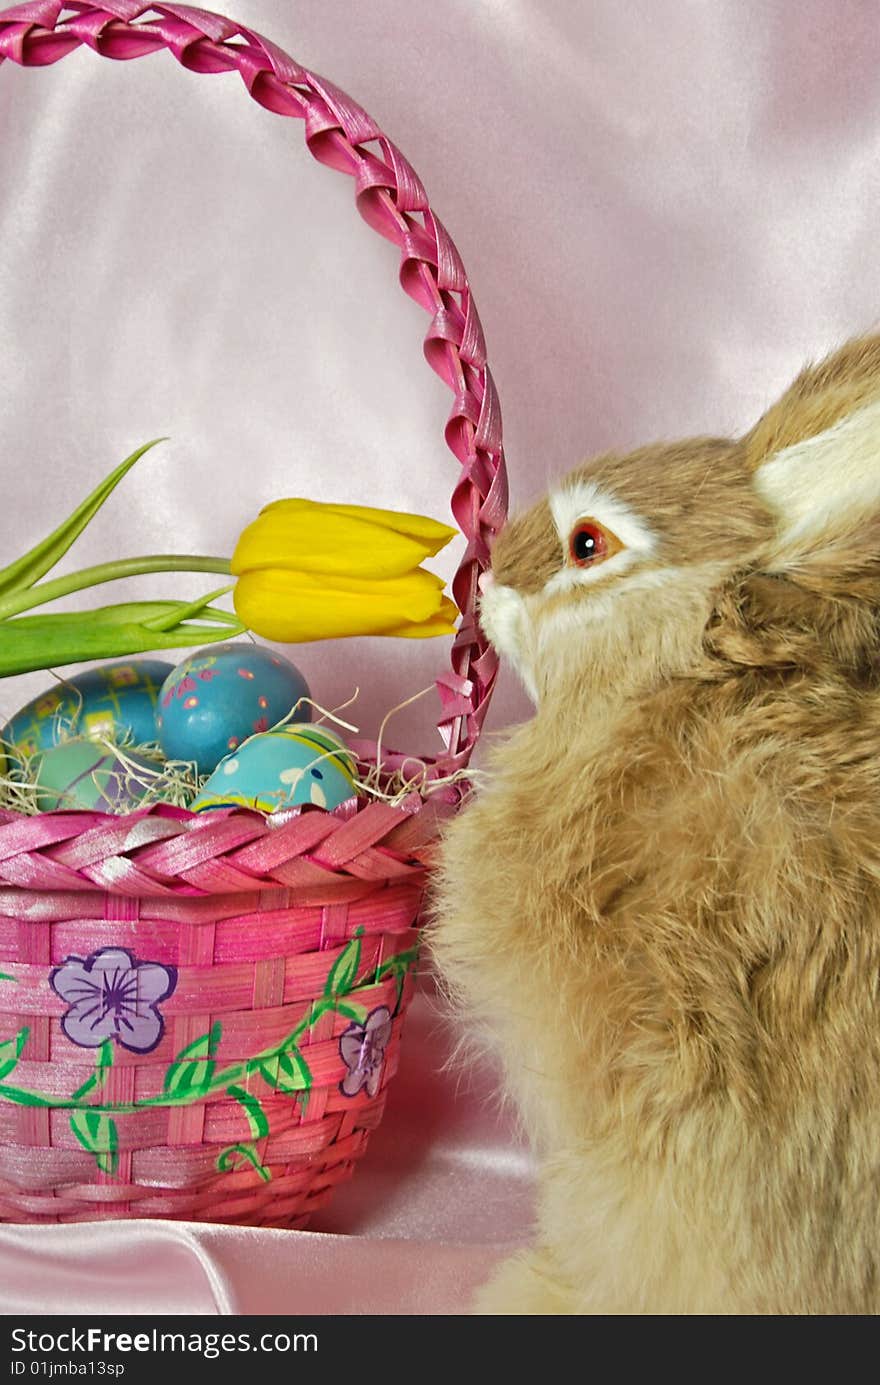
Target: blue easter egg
[
  {"x": 296, "y": 764},
  {"x": 217, "y": 698},
  {"x": 80, "y": 773},
  {"x": 116, "y": 700}
]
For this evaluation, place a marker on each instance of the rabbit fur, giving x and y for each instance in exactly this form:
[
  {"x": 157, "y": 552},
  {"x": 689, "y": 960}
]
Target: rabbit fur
[{"x": 662, "y": 910}]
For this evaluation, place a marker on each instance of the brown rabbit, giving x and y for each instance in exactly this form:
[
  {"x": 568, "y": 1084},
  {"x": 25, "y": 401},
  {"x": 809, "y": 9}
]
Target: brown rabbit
[{"x": 663, "y": 910}]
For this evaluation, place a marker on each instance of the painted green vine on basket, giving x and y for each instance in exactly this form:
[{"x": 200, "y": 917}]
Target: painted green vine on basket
[{"x": 193, "y": 1075}]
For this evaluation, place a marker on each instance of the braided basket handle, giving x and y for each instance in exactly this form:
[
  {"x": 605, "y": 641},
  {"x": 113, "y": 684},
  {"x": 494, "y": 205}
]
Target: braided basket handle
[{"x": 390, "y": 197}]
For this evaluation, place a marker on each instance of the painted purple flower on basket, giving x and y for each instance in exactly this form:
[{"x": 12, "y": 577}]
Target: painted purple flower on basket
[
  {"x": 112, "y": 996},
  {"x": 362, "y": 1047}
]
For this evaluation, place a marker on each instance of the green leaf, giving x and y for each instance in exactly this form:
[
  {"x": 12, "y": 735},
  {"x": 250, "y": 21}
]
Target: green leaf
[
  {"x": 97, "y": 1133},
  {"x": 344, "y": 971},
  {"x": 42, "y": 558},
  {"x": 286, "y": 1072},
  {"x": 253, "y": 1110},
  {"x": 193, "y": 611},
  {"x": 31, "y": 643},
  {"x": 103, "y": 1064},
  {"x": 4, "y": 976},
  {"x": 193, "y": 1068},
  {"x": 398, "y": 966},
  {"x": 229, "y": 1159},
  {"x": 267, "y": 1068},
  {"x": 294, "y": 1074},
  {"x": 10, "y": 1052},
  {"x": 21, "y": 1097},
  {"x": 400, "y": 962},
  {"x": 141, "y": 613}
]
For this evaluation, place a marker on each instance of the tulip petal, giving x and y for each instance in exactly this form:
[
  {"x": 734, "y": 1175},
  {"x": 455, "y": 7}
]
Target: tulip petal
[
  {"x": 422, "y": 527},
  {"x": 296, "y": 607},
  {"x": 419, "y": 582},
  {"x": 330, "y": 539},
  {"x": 335, "y": 545},
  {"x": 441, "y": 624}
]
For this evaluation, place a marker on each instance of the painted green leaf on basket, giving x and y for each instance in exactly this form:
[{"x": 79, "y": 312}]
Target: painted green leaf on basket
[
  {"x": 103, "y": 1064},
  {"x": 193, "y": 1068},
  {"x": 343, "y": 973},
  {"x": 400, "y": 962},
  {"x": 4, "y": 976},
  {"x": 234, "y": 1156},
  {"x": 96, "y": 1132},
  {"x": 10, "y": 1052},
  {"x": 398, "y": 966},
  {"x": 286, "y": 1072},
  {"x": 253, "y": 1110},
  {"x": 294, "y": 1074}
]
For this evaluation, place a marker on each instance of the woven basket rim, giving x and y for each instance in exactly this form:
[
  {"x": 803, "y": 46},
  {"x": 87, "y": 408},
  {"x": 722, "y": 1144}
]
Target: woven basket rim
[
  {"x": 166, "y": 852},
  {"x": 391, "y": 198}
]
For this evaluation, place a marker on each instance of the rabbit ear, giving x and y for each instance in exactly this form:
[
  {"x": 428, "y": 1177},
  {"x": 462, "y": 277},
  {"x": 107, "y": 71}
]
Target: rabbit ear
[{"x": 816, "y": 454}]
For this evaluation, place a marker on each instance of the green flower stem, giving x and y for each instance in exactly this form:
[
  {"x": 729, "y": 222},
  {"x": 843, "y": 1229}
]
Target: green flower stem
[{"x": 45, "y": 592}]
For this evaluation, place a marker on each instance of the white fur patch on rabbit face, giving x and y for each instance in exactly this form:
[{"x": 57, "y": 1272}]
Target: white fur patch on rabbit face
[
  {"x": 586, "y": 500},
  {"x": 505, "y": 620},
  {"x": 518, "y": 625}
]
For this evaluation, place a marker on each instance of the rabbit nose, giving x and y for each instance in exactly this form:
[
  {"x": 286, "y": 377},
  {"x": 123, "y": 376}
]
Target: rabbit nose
[{"x": 485, "y": 581}]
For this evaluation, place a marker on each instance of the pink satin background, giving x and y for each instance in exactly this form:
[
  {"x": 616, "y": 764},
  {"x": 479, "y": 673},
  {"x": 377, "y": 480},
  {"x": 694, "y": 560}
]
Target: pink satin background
[{"x": 664, "y": 207}]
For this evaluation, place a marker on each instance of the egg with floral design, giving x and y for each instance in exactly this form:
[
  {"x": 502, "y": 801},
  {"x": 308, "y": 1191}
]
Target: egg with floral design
[
  {"x": 297, "y": 764},
  {"x": 213, "y": 701}
]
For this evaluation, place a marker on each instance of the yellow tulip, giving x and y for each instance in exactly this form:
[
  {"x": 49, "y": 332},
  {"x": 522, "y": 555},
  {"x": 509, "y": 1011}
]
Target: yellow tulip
[{"x": 312, "y": 571}]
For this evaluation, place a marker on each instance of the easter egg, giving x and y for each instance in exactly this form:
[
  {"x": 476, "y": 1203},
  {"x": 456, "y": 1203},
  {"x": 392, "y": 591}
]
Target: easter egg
[
  {"x": 113, "y": 700},
  {"x": 80, "y": 773},
  {"x": 217, "y": 698},
  {"x": 296, "y": 764}
]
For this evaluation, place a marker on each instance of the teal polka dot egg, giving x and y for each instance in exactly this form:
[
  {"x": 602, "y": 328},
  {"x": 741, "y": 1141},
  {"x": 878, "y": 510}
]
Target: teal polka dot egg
[
  {"x": 295, "y": 765},
  {"x": 213, "y": 701}
]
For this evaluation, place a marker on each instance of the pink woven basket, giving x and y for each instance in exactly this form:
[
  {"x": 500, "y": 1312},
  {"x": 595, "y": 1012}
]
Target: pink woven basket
[{"x": 260, "y": 968}]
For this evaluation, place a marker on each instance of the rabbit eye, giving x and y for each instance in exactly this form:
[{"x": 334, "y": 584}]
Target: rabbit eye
[{"x": 587, "y": 543}]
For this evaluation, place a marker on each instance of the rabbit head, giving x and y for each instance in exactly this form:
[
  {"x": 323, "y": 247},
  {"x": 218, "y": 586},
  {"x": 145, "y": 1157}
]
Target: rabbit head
[{"x": 761, "y": 551}]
